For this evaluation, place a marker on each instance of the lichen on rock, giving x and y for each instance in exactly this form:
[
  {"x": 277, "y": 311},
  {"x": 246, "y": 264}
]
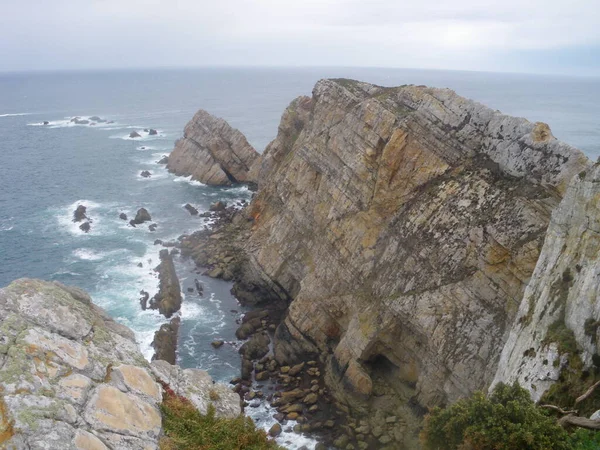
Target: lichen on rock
[{"x": 72, "y": 378}]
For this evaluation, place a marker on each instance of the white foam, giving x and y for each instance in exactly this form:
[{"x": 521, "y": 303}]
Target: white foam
[
  {"x": 263, "y": 417},
  {"x": 188, "y": 180},
  {"x": 88, "y": 254},
  {"x": 6, "y": 224},
  {"x": 16, "y": 114},
  {"x": 67, "y": 122},
  {"x": 191, "y": 310},
  {"x": 65, "y": 217}
]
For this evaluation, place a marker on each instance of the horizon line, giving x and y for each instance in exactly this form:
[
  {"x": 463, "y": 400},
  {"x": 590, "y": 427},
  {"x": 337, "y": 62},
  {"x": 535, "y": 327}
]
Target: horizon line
[{"x": 280, "y": 67}]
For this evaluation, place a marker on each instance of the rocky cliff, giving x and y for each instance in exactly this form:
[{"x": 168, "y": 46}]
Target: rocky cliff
[
  {"x": 212, "y": 152},
  {"x": 405, "y": 223},
  {"x": 402, "y": 226},
  {"x": 555, "y": 334},
  {"x": 72, "y": 378}
]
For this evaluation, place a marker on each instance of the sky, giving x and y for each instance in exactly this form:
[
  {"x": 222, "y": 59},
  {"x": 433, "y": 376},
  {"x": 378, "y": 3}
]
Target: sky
[{"x": 531, "y": 36}]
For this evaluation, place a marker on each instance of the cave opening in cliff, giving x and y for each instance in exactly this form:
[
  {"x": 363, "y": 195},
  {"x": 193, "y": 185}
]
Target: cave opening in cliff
[{"x": 382, "y": 369}]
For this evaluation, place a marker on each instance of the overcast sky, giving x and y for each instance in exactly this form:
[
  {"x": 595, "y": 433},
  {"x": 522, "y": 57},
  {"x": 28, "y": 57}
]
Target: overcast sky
[{"x": 539, "y": 36}]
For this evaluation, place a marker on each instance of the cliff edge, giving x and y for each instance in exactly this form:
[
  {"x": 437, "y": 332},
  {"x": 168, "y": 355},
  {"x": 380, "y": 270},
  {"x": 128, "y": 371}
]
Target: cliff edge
[
  {"x": 554, "y": 341},
  {"x": 72, "y": 378}
]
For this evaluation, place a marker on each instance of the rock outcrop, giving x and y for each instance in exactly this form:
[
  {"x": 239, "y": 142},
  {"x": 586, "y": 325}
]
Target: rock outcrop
[
  {"x": 168, "y": 298},
  {"x": 403, "y": 224},
  {"x": 556, "y": 329},
  {"x": 165, "y": 341},
  {"x": 72, "y": 378},
  {"x": 212, "y": 152}
]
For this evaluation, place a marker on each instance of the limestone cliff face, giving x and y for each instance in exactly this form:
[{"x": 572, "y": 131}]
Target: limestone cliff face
[
  {"x": 212, "y": 152},
  {"x": 72, "y": 378},
  {"x": 563, "y": 295},
  {"x": 405, "y": 224}
]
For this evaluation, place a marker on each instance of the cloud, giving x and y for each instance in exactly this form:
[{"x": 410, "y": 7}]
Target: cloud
[{"x": 462, "y": 34}]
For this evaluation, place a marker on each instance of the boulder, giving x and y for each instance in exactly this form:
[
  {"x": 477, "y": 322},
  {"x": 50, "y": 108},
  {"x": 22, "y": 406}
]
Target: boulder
[
  {"x": 256, "y": 347},
  {"x": 193, "y": 211},
  {"x": 163, "y": 160},
  {"x": 152, "y": 132},
  {"x": 217, "y": 343},
  {"x": 218, "y": 206},
  {"x": 275, "y": 430},
  {"x": 145, "y": 174},
  {"x": 134, "y": 134},
  {"x": 123, "y": 216},
  {"x": 152, "y": 227},
  {"x": 85, "y": 226},
  {"x": 46, "y": 122},
  {"x": 141, "y": 216},
  {"x": 79, "y": 213}
]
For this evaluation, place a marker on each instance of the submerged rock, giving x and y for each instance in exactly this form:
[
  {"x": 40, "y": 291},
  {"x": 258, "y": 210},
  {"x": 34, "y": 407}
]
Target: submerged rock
[
  {"x": 123, "y": 216},
  {"x": 134, "y": 134},
  {"x": 145, "y": 174},
  {"x": 152, "y": 132}
]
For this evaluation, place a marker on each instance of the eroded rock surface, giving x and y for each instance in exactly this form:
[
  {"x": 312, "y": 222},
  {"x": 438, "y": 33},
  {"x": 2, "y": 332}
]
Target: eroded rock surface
[
  {"x": 72, "y": 378},
  {"x": 404, "y": 224},
  {"x": 197, "y": 386},
  {"x": 562, "y": 300},
  {"x": 212, "y": 152}
]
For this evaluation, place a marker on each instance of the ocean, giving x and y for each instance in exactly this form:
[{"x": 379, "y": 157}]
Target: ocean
[{"x": 47, "y": 170}]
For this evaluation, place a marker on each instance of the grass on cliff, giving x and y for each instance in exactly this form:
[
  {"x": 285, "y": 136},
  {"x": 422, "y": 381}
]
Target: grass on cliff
[{"x": 187, "y": 429}]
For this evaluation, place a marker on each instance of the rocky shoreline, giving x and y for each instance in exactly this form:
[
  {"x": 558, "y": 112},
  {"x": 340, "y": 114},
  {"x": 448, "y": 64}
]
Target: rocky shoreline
[
  {"x": 297, "y": 392},
  {"x": 394, "y": 231}
]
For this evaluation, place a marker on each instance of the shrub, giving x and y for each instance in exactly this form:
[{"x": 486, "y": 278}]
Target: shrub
[
  {"x": 507, "y": 420},
  {"x": 186, "y": 429},
  {"x": 585, "y": 440}
]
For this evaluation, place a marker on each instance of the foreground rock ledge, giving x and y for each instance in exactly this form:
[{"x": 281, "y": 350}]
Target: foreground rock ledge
[{"x": 72, "y": 378}]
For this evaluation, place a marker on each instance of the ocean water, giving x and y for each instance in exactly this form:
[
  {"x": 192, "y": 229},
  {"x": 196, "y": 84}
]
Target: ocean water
[{"x": 47, "y": 170}]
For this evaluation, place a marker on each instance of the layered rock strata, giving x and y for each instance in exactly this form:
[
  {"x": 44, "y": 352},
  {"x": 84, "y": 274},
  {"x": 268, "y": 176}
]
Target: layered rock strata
[
  {"x": 72, "y": 378},
  {"x": 556, "y": 330},
  {"x": 403, "y": 224},
  {"x": 212, "y": 152}
]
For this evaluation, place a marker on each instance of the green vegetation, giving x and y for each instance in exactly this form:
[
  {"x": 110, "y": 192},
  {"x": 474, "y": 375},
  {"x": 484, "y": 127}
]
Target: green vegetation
[
  {"x": 565, "y": 338},
  {"x": 507, "y": 420},
  {"x": 187, "y": 429},
  {"x": 585, "y": 440}
]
